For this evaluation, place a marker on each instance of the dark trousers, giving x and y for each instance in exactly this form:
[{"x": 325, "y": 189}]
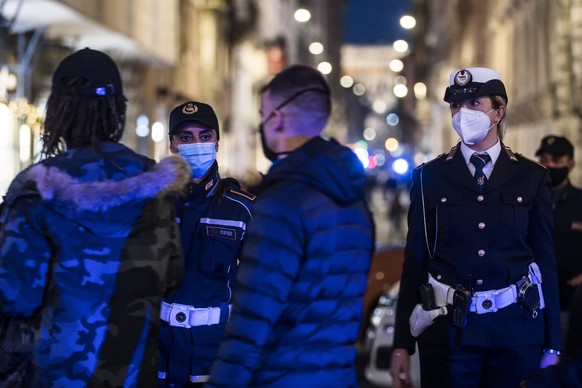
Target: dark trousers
[{"x": 476, "y": 366}]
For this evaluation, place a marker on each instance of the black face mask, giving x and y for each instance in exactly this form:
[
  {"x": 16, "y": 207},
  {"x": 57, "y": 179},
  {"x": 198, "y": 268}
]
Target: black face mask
[
  {"x": 269, "y": 153},
  {"x": 558, "y": 175}
]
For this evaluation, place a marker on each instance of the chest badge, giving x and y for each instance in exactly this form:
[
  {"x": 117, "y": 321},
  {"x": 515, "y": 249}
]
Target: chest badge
[{"x": 221, "y": 232}]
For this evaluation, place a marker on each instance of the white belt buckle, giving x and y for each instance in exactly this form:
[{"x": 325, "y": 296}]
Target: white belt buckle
[
  {"x": 485, "y": 302},
  {"x": 180, "y": 315}
]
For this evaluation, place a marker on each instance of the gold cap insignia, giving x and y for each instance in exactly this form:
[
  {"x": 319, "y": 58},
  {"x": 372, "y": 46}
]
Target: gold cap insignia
[
  {"x": 189, "y": 109},
  {"x": 463, "y": 77}
]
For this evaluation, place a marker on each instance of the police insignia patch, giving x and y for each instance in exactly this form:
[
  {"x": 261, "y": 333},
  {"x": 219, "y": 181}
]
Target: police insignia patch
[
  {"x": 189, "y": 109},
  {"x": 463, "y": 77}
]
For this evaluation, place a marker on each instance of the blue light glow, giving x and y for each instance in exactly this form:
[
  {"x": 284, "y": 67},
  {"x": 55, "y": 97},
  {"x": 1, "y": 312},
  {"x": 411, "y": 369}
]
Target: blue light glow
[{"x": 400, "y": 166}]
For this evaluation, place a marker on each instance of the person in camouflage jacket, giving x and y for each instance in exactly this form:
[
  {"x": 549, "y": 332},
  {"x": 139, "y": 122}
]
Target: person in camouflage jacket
[{"x": 88, "y": 241}]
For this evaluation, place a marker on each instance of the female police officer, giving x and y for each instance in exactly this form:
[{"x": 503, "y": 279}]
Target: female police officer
[{"x": 478, "y": 246}]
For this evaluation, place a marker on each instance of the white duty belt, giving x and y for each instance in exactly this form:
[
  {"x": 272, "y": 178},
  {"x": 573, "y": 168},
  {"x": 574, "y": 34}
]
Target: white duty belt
[
  {"x": 183, "y": 315},
  {"x": 487, "y": 301}
]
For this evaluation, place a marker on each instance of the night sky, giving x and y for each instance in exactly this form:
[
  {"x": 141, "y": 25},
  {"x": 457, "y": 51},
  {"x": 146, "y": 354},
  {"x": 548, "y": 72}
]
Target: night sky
[{"x": 375, "y": 21}]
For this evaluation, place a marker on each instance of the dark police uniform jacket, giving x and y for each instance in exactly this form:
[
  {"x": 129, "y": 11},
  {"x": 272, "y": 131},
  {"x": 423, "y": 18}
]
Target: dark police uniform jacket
[
  {"x": 489, "y": 238},
  {"x": 568, "y": 239},
  {"x": 212, "y": 228}
]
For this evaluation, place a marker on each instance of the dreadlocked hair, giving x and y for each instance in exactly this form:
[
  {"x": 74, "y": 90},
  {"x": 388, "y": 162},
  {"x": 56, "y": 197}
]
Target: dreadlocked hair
[
  {"x": 78, "y": 120},
  {"x": 223, "y": 186}
]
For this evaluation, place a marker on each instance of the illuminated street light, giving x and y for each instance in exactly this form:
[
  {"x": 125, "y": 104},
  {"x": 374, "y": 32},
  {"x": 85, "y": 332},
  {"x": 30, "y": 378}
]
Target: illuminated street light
[
  {"x": 302, "y": 15},
  {"x": 400, "y": 90},
  {"x": 396, "y": 65},
  {"x": 5, "y": 116},
  {"x": 400, "y": 46},
  {"x": 359, "y": 89},
  {"x": 400, "y": 166},
  {"x": 380, "y": 158},
  {"x": 369, "y": 134},
  {"x": 316, "y": 48},
  {"x": 362, "y": 154},
  {"x": 158, "y": 132},
  {"x": 25, "y": 143},
  {"x": 392, "y": 119},
  {"x": 420, "y": 91},
  {"x": 346, "y": 81},
  {"x": 400, "y": 80},
  {"x": 361, "y": 150},
  {"x": 324, "y": 67},
  {"x": 142, "y": 128},
  {"x": 391, "y": 144},
  {"x": 407, "y": 22},
  {"x": 379, "y": 106}
]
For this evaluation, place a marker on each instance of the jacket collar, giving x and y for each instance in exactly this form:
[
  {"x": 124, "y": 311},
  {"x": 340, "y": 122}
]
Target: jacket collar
[{"x": 206, "y": 186}]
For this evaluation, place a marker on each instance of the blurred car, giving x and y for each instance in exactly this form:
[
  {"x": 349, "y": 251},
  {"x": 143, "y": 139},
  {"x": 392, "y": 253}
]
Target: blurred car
[
  {"x": 378, "y": 340},
  {"x": 384, "y": 272}
]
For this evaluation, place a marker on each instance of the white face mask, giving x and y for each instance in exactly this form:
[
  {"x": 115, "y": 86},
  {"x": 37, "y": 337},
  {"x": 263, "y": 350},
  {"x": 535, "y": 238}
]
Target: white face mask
[
  {"x": 200, "y": 157},
  {"x": 472, "y": 125}
]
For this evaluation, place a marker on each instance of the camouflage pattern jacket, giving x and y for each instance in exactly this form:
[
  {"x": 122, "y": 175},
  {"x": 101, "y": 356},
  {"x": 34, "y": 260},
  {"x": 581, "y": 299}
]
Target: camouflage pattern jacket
[{"x": 89, "y": 244}]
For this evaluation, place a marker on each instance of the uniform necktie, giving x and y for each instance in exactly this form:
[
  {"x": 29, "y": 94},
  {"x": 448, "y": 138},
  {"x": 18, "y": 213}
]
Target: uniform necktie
[{"x": 479, "y": 161}]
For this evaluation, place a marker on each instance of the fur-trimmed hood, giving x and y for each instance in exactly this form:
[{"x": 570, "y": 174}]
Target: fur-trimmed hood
[
  {"x": 168, "y": 176},
  {"x": 109, "y": 206}
]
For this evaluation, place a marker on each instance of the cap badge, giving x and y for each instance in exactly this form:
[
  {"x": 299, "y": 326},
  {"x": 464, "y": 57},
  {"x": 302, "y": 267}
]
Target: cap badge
[
  {"x": 189, "y": 109},
  {"x": 463, "y": 77},
  {"x": 551, "y": 140}
]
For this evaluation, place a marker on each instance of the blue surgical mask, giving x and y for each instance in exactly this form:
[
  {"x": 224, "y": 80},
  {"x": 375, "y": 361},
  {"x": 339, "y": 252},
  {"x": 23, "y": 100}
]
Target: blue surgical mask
[{"x": 200, "y": 157}]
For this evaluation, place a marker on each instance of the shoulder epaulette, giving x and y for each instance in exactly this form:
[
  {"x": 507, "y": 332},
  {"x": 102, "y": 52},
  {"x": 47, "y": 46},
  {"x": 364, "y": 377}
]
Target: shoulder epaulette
[
  {"x": 242, "y": 193},
  {"x": 453, "y": 151},
  {"x": 510, "y": 153}
]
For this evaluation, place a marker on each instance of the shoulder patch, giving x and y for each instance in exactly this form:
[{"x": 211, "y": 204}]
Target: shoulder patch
[{"x": 243, "y": 193}]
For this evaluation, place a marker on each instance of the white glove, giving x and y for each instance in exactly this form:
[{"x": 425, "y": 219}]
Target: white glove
[{"x": 420, "y": 318}]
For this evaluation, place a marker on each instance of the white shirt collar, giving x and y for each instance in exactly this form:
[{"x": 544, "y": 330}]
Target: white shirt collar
[{"x": 493, "y": 152}]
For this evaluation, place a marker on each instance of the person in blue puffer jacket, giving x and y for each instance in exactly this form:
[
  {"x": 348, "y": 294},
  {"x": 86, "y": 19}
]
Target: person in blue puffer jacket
[
  {"x": 89, "y": 243},
  {"x": 299, "y": 291}
]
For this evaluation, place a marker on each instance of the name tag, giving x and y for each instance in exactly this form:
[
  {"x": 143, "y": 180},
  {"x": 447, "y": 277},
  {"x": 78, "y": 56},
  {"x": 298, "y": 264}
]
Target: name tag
[{"x": 221, "y": 232}]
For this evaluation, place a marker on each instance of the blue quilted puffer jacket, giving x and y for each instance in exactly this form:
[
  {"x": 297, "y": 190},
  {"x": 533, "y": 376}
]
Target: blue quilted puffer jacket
[{"x": 298, "y": 298}]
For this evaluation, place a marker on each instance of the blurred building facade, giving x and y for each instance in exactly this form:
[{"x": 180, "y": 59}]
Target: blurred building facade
[
  {"x": 218, "y": 51},
  {"x": 536, "y": 45}
]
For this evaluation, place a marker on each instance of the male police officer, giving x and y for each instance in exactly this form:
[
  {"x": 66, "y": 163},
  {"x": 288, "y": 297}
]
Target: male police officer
[
  {"x": 557, "y": 154},
  {"x": 213, "y": 218}
]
